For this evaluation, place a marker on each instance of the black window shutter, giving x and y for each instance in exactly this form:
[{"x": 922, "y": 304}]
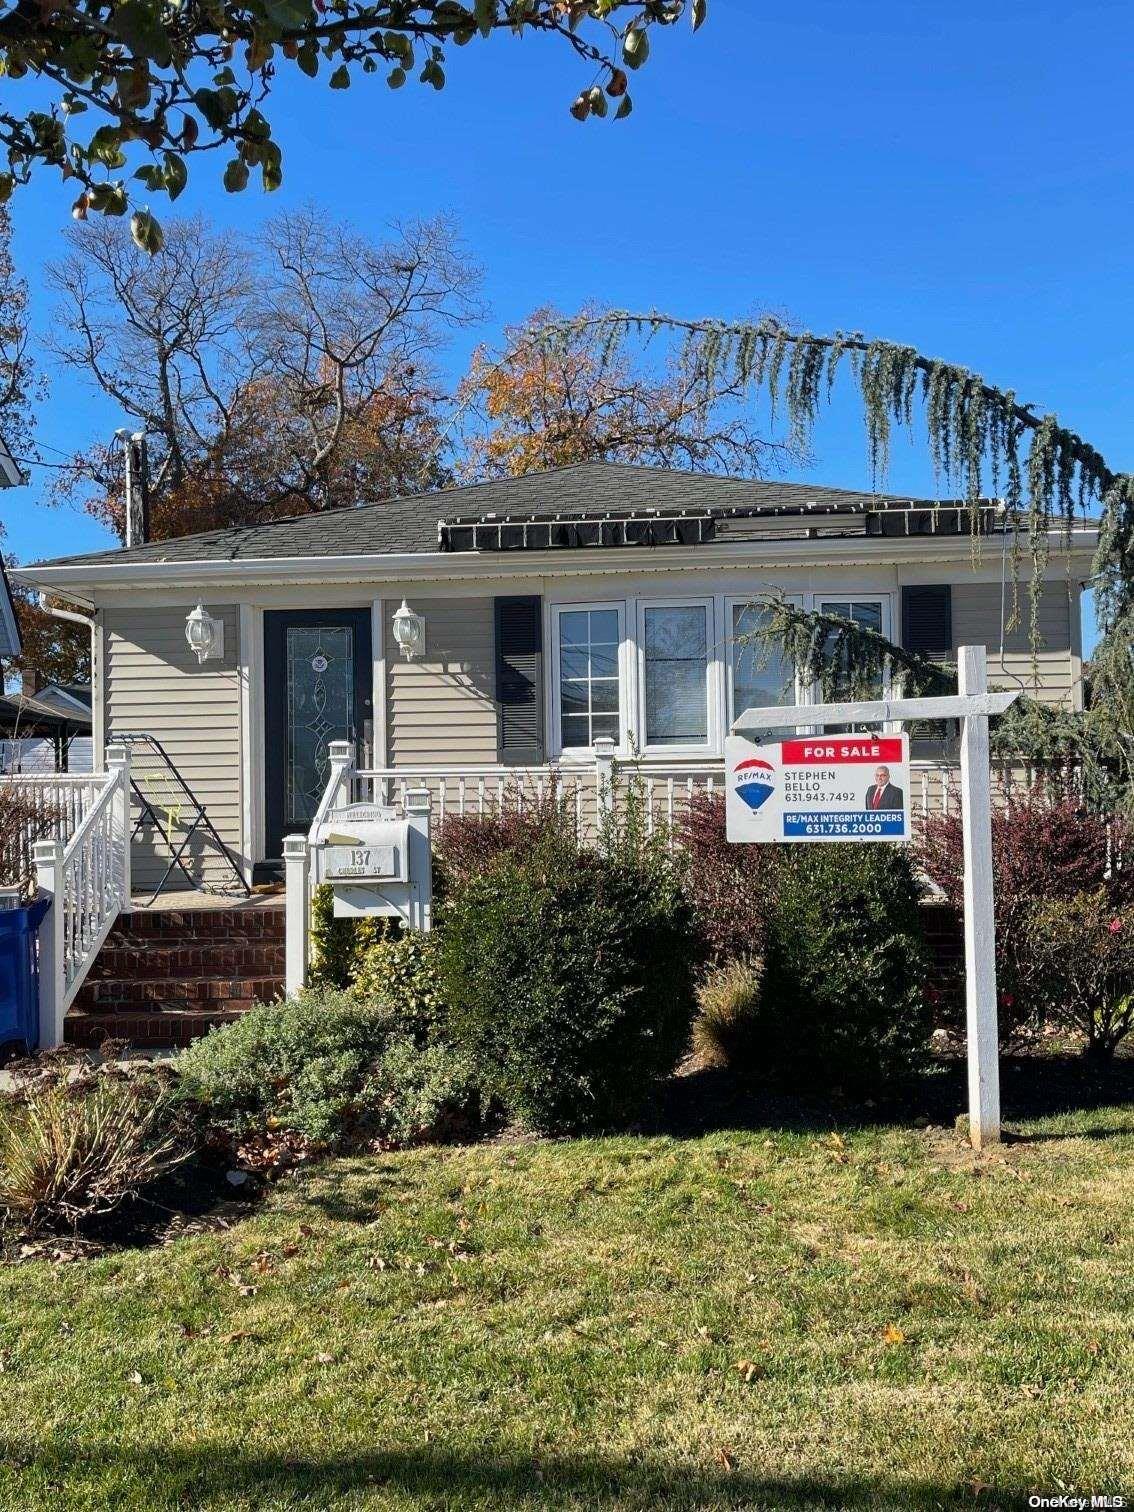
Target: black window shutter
[
  {"x": 927, "y": 619},
  {"x": 519, "y": 677}
]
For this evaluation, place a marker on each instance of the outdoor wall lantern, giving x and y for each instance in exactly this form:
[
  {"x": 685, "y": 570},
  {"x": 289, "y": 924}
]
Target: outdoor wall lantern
[
  {"x": 204, "y": 634},
  {"x": 409, "y": 632}
]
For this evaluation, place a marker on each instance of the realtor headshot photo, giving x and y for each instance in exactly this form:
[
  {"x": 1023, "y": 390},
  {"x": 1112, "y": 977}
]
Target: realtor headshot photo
[{"x": 882, "y": 793}]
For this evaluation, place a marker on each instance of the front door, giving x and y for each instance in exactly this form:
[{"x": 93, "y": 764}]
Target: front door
[{"x": 317, "y": 688}]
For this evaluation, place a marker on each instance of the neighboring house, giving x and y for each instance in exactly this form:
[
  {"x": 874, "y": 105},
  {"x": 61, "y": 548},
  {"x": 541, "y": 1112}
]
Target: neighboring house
[
  {"x": 10, "y": 645},
  {"x": 588, "y": 601},
  {"x": 46, "y": 729}
]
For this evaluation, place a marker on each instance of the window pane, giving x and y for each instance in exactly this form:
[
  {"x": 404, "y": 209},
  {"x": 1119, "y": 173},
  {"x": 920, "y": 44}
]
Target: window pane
[
  {"x": 761, "y": 676},
  {"x": 320, "y": 708},
  {"x": 678, "y": 633},
  {"x": 573, "y": 662},
  {"x": 604, "y": 626},
  {"x": 605, "y": 725},
  {"x": 604, "y": 661},
  {"x": 574, "y": 698},
  {"x": 604, "y": 696},
  {"x": 576, "y": 730},
  {"x": 868, "y": 614},
  {"x": 676, "y": 655},
  {"x": 573, "y": 628}
]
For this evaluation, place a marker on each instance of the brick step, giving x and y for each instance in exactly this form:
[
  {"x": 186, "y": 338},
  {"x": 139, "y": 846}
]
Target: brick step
[
  {"x": 196, "y": 958},
  {"x": 154, "y": 1030},
  {"x": 249, "y": 925},
  {"x": 117, "y": 994}
]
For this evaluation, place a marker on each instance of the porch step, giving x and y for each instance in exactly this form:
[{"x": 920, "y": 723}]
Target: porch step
[
  {"x": 153, "y": 1030},
  {"x": 164, "y": 976}
]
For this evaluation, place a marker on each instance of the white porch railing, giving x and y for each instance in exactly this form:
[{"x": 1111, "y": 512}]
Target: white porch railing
[
  {"x": 51, "y": 806},
  {"x": 88, "y": 881},
  {"x": 587, "y": 789}
]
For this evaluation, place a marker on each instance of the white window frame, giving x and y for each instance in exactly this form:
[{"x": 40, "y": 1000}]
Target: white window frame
[
  {"x": 732, "y": 603},
  {"x": 851, "y": 595},
  {"x": 809, "y": 602},
  {"x": 585, "y": 753},
  {"x": 711, "y": 745}
]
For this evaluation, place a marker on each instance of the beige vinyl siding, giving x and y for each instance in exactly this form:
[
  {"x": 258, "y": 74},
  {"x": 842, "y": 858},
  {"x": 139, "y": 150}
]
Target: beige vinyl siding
[
  {"x": 155, "y": 685},
  {"x": 976, "y": 619},
  {"x": 440, "y": 708}
]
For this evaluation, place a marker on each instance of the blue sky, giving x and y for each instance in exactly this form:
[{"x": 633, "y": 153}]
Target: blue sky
[{"x": 957, "y": 177}]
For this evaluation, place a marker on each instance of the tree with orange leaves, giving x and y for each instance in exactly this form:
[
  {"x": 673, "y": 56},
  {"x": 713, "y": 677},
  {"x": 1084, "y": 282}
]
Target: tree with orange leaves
[{"x": 550, "y": 402}]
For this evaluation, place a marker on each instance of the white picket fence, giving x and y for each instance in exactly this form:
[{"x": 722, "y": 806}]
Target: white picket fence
[{"x": 82, "y": 862}]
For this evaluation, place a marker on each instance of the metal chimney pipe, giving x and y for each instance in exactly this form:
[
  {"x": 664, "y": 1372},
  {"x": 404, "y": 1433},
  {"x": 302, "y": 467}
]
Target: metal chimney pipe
[{"x": 137, "y": 486}]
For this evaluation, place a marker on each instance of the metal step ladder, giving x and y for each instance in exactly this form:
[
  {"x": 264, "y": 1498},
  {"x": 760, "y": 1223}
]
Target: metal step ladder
[{"x": 154, "y": 778}]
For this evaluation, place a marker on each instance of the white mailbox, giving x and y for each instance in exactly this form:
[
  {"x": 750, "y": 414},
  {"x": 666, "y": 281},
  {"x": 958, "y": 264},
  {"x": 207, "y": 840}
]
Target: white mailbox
[{"x": 378, "y": 861}]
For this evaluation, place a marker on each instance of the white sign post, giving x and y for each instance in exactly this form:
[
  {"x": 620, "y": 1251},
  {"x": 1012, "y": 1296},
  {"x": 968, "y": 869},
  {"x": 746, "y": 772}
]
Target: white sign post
[{"x": 847, "y": 787}]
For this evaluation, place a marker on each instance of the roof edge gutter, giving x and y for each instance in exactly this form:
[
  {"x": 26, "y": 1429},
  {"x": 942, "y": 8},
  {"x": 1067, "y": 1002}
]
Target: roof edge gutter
[{"x": 459, "y": 566}]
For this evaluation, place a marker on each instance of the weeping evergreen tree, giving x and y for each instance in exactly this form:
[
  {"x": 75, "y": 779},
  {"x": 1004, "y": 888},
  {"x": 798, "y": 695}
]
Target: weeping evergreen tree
[{"x": 983, "y": 441}]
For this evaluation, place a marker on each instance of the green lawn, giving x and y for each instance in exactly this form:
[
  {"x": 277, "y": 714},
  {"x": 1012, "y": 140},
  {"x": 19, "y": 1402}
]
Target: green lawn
[{"x": 752, "y": 1319}]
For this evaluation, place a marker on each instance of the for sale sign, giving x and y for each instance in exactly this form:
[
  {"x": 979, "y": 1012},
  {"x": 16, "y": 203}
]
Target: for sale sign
[{"x": 818, "y": 787}]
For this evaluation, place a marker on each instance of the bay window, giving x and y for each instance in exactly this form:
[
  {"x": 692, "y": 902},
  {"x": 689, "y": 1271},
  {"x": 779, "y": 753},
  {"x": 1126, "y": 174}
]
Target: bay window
[{"x": 666, "y": 676}]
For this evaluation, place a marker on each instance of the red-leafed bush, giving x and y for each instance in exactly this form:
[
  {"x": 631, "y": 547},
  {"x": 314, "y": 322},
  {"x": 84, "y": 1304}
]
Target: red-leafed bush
[
  {"x": 726, "y": 884},
  {"x": 469, "y": 843},
  {"x": 1043, "y": 847}
]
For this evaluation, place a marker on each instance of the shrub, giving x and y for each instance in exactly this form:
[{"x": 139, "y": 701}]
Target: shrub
[
  {"x": 844, "y": 1001},
  {"x": 314, "y": 1066},
  {"x": 421, "y": 1092},
  {"x": 1042, "y": 847},
  {"x": 725, "y": 883},
  {"x": 728, "y": 1013},
  {"x": 468, "y": 844},
  {"x": 1076, "y": 960},
  {"x": 399, "y": 970},
  {"x": 299, "y": 1065},
  {"x": 336, "y": 944},
  {"x": 74, "y": 1147},
  {"x": 568, "y": 980}
]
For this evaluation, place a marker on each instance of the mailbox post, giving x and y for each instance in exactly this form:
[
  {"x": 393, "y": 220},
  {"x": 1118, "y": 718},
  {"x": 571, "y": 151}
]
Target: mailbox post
[{"x": 378, "y": 861}]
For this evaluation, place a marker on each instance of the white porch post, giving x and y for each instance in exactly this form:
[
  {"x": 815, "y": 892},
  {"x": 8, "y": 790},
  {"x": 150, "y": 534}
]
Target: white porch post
[
  {"x": 980, "y": 920},
  {"x": 48, "y": 856},
  {"x": 118, "y": 760},
  {"x": 604, "y": 776},
  {"x": 297, "y": 912}
]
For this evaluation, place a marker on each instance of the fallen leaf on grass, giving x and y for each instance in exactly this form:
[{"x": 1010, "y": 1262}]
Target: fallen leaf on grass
[
  {"x": 892, "y": 1334},
  {"x": 750, "y": 1370},
  {"x": 135, "y": 1378}
]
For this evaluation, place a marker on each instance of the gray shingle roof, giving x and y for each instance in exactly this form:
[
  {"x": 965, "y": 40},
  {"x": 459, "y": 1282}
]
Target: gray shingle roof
[{"x": 411, "y": 524}]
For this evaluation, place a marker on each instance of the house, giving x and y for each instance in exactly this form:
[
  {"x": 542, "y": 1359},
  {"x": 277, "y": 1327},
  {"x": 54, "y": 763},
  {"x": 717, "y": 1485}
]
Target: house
[
  {"x": 46, "y": 729},
  {"x": 553, "y": 610},
  {"x": 10, "y": 646}
]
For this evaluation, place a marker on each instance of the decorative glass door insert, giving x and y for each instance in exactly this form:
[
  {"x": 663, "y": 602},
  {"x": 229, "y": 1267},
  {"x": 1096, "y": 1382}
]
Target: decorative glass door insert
[{"x": 320, "y": 708}]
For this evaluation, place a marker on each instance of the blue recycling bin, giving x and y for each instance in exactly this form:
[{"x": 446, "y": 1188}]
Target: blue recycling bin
[{"x": 19, "y": 976}]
